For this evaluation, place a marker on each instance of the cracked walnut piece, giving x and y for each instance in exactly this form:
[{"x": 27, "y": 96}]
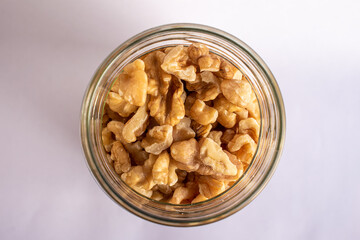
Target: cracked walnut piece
[{"x": 180, "y": 124}]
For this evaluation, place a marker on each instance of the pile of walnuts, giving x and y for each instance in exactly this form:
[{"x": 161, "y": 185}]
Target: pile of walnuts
[{"x": 180, "y": 124}]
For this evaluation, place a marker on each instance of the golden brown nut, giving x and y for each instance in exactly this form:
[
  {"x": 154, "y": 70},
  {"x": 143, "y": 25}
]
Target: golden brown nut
[
  {"x": 206, "y": 85},
  {"x": 189, "y": 102},
  {"x": 158, "y": 139},
  {"x": 134, "y": 176},
  {"x": 133, "y": 83},
  {"x": 215, "y": 136},
  {"x": 113, "y": 115},
  {"x": 228, "y": 71},
  {"x": 165, "y": 189},
  {"x": 182, "y": 194},
  {"x": 137, "y": 153},
  {"x": 227, "y": 116},
  {"x": 183, "y": 131},
  {"x": 160, "y": 169},
  {"x": 210, "y": 63},
  {"x": 209, "y": 91},
  {"x": 168, "y": 107},
  {"x": 249, "y": 126},
  {"x": 141, "y": 190},
  {"x": 240, "y": 169},
  {"x": 107, "y": 139},
  {"x": 227, "y": 136},
  {"x": 199, "y": 198},
  {"x": 243, "y": 146},
  {"x": 210, "y": 187},
  {"x": 148, "y": 183},
  {"x": 172, "y": 175},
  {"x": 237, "y": 92},
  {"x": 116, "y": 128},
  {"x": 157, "y": 195},
  {"x": 201, "y": 130},
  {"x": 120, "y": 157},
  {"x": 197, "y": 50},
  {"x": 185, "y": 154},
  {"x": 163, "y": 171},
  {"x": 242, "y": 114},
  {"x": 212, "y": 155},
  {"x": 253, "y": 107},
  {"x": 158, "y": 78},
  {"x": 136, "y": 125},
  {"x": 202, "y": 113},
  {"x": 176, "y": 63},
  {"x": 118, "y": 104}
]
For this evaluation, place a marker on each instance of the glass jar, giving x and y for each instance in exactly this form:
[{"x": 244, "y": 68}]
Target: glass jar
[{"x": 270, "y": 144}]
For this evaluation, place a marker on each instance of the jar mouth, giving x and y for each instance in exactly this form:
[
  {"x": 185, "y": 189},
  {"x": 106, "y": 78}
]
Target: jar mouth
[{"x": 91, "y": 117}]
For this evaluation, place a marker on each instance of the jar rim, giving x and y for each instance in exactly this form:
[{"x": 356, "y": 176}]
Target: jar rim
[{"x": 186, "y": 27}]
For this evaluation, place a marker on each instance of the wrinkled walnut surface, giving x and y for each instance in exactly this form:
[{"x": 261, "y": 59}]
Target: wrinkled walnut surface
[{"x": 180, "y": 124}]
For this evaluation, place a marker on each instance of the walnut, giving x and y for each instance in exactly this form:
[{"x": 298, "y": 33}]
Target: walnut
[
  {"x": 172, "y": 175},
  {"x": 146, "y": 193},
  {"x": 168, "y": 107},
  {"x": 157, "y": 196},
  {"x": 228, "y": 71},
  {"x": 189, "y": 102},
  {"x": 227, "y": 136},
  {"x": 227, "y": 116},
  {"x": 176, "y": 63},
  {"x": 202, "y": 113},
  {"x": 201, "y": 130},
  {"x": 185, "y": 154},
  {"x": 206, "y": 86},
  {"x": 242, "y": 114},
  {"x": 210, "y": 88},
  {"x": 137, "y": 153},
  {"x": 212, "y": 155},
  {"x": 148, "y": 182},
  {"x": 107, "y": 139},
  {"x": 158, "y": 139},
  {"x": 243, "y": 146},
  {"x": 160, "y": 169},
  {"x": 118, "y": 104},
  {"x": 183, "y": 131},
  {"x": 249, "y": 126},
  {"x": 113, "y": 115},
  {"x": 120, "y": 157},
  {"x": 199, "y": 198},
  {"x": 197, "y": 50},
  {"x": 136, "y": 125},
  {"x": 239, "y": 165},
  {"x": 183, "y": 194},
  {"x": 116, "y": 128},
  {"x": 159, "y": 80},
  {"x": 163, "y": 171},
  {"x": 133, "y": 83},
  {"x": 134, "y": 176},
  {"x": 237, "y": 92},
  {"x": 253, "y": 107},
  {"x": 210, "y": 187},
  {"x": 216, "y": 136},
  {"x": 209, "y": 62},
  {"x": 165, "y": 189}
]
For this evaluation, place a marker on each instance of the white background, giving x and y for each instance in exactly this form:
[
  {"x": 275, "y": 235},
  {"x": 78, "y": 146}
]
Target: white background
[{"x": 49, "y": 51}]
